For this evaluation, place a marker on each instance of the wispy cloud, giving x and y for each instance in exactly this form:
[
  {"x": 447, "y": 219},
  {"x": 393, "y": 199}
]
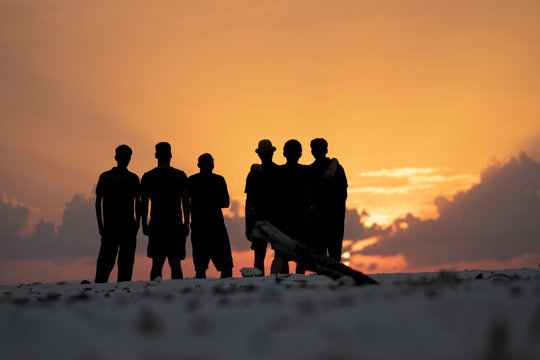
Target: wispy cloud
[{"x": 407, "y": 179}]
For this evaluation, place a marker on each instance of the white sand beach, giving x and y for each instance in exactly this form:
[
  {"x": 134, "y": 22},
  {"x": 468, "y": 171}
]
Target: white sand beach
[{"x": 463, "y": 315}]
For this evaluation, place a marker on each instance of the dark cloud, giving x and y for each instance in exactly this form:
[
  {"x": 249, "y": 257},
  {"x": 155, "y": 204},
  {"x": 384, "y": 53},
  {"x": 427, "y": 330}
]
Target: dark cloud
[
  {"x": 497, "y": 219},
  {"x": 13, "y": 217},
  {"x": 77, "y": 236}
]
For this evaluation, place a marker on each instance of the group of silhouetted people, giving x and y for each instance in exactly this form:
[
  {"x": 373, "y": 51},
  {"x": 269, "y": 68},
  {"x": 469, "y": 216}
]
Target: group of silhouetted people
[{"x": 306, "y": 202}]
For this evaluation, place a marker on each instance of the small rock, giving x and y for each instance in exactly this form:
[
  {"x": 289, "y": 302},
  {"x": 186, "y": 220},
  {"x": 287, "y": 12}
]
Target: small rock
[
  {"x": 479, "y": 277},
  {"x": 250, "y": 272},
  {"x": 85, "y": 282}
]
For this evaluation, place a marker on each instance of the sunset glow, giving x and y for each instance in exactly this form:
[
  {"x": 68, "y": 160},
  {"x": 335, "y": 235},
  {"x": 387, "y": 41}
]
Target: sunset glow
[{"x": 420, "y": 101}]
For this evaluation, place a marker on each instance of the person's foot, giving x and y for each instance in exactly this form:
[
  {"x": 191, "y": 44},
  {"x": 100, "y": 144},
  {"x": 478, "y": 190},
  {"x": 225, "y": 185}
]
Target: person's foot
[{"x": 226, "y": 273}]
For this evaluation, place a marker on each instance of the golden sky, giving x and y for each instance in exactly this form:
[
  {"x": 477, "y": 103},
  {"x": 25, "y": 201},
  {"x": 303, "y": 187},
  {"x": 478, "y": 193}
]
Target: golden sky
[{"x": 415, "y": 98}]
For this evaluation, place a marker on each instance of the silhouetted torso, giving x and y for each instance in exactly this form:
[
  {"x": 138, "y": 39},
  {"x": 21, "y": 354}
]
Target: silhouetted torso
[
  {"x": 164, "y": 186},
  {"x": 329, "y": 194},
  {"x": 261, "y": 186},
  {"x": 119, "y": 187},
  {"x": 328, "y": 206},
  {"x": 294, "y": 199},
  {"x": 208, "y": 194}
]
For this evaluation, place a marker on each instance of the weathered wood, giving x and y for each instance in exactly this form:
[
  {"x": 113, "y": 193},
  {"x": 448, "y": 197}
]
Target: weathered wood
[{"x": 310, "y": 258}]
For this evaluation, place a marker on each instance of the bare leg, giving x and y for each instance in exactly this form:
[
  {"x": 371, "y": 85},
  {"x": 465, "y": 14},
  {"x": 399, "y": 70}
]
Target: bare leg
[
  {"x": 176, "y": 268},
  {"x": 279, "y": 266},
  {"x": 226, "y": 273},
  {"x": 300, "y": 269},
  {"x": 260, "y": 254},
  {"x": 157, "y": 267}
]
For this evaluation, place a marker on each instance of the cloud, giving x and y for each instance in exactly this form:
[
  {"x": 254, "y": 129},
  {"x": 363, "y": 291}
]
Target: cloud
[
  {"x": 236, "y": 227},
  {"x": 76, "y": 236},
  {"x": 405, "y": 180},
  {"x": 13, "y": 217},
  {"x": 497, "y": 219}
]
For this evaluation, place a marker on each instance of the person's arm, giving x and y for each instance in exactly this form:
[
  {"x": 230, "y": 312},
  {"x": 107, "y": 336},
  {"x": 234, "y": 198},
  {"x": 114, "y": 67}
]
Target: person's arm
[
  {"x": 248, "y": 216},
  {"x": 99, "y": 213},
  {"x": 329, "y": 173},
  {"x": 256, "y": 168},
  {"x": 187, "y": 208},
  {"x": 225, "y": 199},
  {"x": 138, "y": 211},
  {"x": 144, "y": 213}
]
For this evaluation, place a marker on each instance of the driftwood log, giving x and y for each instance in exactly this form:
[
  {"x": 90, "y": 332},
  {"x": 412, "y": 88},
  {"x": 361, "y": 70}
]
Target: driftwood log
[{"x": 310, "y": 258}]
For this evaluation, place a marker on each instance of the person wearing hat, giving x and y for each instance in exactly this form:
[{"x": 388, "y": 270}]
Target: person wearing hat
[
  {"x": 260, "y": 198},
  {"x": 209, "y": 239},
  {"x": 117, "y": 210},
  {"x": 166, "y": 189}
]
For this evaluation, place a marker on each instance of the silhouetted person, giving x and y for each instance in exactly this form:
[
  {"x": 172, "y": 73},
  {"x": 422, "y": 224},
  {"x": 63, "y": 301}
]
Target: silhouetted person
[
  {"x": 260, "y": 199},
  {"x": 166, "y": 188},
  {"x": 295, "y": 182},
  {"x": 208, "y": 195},
  {"x": 118, "y": 221},
  {"x": 328, "y": 202}
]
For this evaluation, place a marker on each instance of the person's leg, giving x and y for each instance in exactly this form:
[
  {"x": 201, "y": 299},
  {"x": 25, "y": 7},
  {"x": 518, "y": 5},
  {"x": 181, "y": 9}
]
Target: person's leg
[
  {"x": 277, "y": 265},
  {"x": 176, "y": 268},
  {"x": 157, "y": 267},
  {"x": 105, "y": 261},
  {"x": 285, "y": 267},
  {"x": 280, "y": 264},
  {"x": 200, "y": 257},
  {"x": 260, "y": 254},
  {"x": 335, "y": 245},
  {"x": 226, "y": 273},
  {"x": 126, "y": 258},
  {"x": 300, "y": 269}
]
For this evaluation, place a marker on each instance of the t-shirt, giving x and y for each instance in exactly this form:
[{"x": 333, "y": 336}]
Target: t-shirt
[
  {"x": 119, "y": 187},
  {"x": 164, "y": 187},
  {"x": 329, "y": 194},
  {"x": 208, "y": 194},
  {"x": 294, "y": 198},
  {"x": 261, "y": 187}
]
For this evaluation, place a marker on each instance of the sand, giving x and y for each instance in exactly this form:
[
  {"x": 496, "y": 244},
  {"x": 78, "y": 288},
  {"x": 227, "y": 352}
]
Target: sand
[{"x": 464, "y": 315}]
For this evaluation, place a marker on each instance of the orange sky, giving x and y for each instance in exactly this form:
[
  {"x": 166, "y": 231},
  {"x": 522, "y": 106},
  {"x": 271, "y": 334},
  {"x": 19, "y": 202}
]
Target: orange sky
[{"x": 415, "y": 98}]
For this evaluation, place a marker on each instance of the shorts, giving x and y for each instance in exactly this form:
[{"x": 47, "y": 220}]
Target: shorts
[
  {"x": 169, "y": 242},
  {"x": 211, "y": 245}
]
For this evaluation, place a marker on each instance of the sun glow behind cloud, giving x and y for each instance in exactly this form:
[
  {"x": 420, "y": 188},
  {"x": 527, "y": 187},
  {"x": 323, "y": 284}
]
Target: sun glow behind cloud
[{"x": 391, "y": 193}]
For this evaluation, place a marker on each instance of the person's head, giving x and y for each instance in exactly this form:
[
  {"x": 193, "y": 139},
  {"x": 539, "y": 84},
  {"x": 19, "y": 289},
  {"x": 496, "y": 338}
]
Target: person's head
[
  {"x": 123, "y": 155},
  {"x": 206, "y": 163},
  {"x": 265, "y": 150},
  {"x": 319, "y": 148},
  {"x": 292, "y": 150},
  {"x": 163, "y": 152}
]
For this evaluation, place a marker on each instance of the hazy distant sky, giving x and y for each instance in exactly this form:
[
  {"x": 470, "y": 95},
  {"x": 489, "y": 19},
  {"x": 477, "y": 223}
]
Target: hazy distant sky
[{"x": 416, "y": 98}]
